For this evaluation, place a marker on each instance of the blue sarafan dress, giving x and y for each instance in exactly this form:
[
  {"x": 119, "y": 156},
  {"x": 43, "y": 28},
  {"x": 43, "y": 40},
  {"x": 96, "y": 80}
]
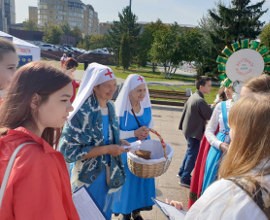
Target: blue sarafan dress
[
  {"x": 137, "y": 192},
  {"x": 214, "y": 154}
]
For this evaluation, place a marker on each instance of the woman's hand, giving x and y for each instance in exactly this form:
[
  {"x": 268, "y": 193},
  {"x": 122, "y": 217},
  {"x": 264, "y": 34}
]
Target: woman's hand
[
  {"x": 224, "y": 147},
  {"x": 176, "y": 204},
  {"x": 124, "y": 142},
  {"x": 115, "y": 150},
  {"x": 141, "y": 133}
]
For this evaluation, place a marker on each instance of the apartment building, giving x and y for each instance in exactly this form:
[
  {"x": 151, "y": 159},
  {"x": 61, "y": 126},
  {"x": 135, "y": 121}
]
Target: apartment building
[
  {"x": 73, "y": 12},
  {"x": 7, "y": 14},
  {"x": 33, "y": 14}
]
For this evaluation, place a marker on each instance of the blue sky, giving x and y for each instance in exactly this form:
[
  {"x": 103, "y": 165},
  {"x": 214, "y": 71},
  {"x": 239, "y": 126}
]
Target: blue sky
[{"x": 181, "y": 11}]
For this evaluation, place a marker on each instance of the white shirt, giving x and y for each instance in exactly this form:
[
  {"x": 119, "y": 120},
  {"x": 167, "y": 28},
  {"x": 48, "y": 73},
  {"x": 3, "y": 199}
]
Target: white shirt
[
  {"x": 215, "y": 120},
  {"x": 225, "y": 200}
]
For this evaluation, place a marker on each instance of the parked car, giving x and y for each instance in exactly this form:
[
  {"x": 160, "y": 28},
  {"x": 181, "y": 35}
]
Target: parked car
[
  {"x": 47, "y": 47},
  {"x": 100, "y": 51}
]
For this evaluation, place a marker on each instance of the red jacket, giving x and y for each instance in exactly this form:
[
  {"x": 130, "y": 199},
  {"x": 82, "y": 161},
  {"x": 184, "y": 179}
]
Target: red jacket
[{"x": 39, "y": 186}]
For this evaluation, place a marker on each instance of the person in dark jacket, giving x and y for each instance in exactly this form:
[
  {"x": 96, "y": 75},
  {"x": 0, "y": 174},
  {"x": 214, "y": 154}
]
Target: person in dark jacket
[{"x": 196, "y": 113}]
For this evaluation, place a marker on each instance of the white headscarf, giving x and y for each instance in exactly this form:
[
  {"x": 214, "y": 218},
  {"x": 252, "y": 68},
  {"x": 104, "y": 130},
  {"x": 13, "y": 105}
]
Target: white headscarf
[
  {"x": 122, "y": 102},
  {"x": 95, "y": 74}
]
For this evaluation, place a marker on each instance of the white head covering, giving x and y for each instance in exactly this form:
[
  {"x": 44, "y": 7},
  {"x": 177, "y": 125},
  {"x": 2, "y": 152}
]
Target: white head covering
[
  {"x": 95, "y": 74},
  {"x": 122, "y": 102}
]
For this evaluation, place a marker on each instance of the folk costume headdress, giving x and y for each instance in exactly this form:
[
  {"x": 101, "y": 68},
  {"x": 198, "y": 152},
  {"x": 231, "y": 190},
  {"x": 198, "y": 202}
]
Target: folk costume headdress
[
  {"x": 95, "y": 75},
  {"x": 122, "y": 103},
  {"x": 244, "y": 61}
]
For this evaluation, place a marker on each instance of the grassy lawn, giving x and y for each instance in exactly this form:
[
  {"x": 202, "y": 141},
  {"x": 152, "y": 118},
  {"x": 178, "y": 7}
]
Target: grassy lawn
[
  {"x": 80, "y": 67},
  {"x": 147, "y": 73}
]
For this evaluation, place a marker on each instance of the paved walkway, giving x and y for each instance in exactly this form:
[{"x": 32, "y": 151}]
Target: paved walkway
[
  {"x": 185, "y": 72},
  {"x": 166, "y": 120}
]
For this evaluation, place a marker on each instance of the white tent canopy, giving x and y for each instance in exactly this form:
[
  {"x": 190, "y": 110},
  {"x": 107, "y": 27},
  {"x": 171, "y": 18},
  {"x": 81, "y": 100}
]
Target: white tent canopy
[{"x": 26, "y": 51}]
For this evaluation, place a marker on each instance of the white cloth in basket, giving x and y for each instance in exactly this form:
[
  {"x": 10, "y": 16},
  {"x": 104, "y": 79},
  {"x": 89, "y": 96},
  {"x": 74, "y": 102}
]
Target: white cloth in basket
[{"x": 157, "y": 153}]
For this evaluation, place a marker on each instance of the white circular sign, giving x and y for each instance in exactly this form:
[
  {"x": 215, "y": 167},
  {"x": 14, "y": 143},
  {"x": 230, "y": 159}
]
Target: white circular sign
[{"x": 244, "y": 64}]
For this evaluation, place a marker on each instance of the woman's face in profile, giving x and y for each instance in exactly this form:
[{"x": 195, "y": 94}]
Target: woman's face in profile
[
  {"x": 228, "y": 92},
  {"x": 54, "y": 111},
  {"x": 7, "y": 68}
]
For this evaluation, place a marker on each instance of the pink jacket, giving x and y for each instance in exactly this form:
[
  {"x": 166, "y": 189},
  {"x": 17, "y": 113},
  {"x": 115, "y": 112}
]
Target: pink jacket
[{"x": 39, "y": 186}]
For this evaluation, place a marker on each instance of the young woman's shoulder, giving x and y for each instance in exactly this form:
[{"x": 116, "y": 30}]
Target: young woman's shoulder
[
  {"x": 33, "y": 151},
  {"x": 224, "y": 200}
]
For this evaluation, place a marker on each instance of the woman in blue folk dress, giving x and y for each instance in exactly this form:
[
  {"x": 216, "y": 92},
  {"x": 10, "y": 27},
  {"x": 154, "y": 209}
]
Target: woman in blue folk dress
[
  {"x": 90, "y": 139},
  {"x": 133, "y": 107}
]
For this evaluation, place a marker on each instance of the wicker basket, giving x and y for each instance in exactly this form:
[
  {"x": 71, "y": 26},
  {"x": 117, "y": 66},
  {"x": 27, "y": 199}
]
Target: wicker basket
[{"x": 153, "y": 170}]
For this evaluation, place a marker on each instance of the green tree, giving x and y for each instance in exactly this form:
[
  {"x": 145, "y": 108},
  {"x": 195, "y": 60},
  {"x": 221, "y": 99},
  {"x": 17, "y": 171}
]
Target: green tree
[
  {"x": 98, "y": 41},
  {"x": 52, "y": 34},
  {"x": 93, "y": 41},
  {"x": 225, "y": 25},
  {"x": 128, "y": 25},
  {"x": 265, "y": 35},
  {"x": 30, "y": 25},
  {"x": 66, "y": 29},
  {"x": 77, "y": 33},
  {"x": 146, "y": 40},
  {"x": 241, "y": 20},
  {"x": 124, "y": 54},
  {"x": 212, "y": 44},
  {"x": 189, "y": 46},
  {"x": 164, "y": 49},
  {"x": 85, "y": 42}
]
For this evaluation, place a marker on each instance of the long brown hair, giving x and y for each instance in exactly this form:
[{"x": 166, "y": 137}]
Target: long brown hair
[
  {"x": 249, "y": 120},
  {"x": 33, "y": 78},
  {"x": 258, "y": 84}
]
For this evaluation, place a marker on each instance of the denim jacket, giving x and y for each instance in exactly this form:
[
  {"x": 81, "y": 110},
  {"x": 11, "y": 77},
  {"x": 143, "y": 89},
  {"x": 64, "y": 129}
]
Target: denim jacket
[{"x": 83, "y": 133}]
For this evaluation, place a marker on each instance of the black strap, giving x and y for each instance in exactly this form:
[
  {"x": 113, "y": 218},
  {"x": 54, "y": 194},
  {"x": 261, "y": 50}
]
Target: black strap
[
  {"x": 256, "y": 193},
  {"x": 136, "y": 117}
]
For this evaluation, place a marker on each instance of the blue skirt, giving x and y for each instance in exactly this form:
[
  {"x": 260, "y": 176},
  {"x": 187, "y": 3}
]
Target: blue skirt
[
  {"x": 212, "y": 163},
  {"x": 99, "y": 192},
  {"x": 136, "y": 193}
]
